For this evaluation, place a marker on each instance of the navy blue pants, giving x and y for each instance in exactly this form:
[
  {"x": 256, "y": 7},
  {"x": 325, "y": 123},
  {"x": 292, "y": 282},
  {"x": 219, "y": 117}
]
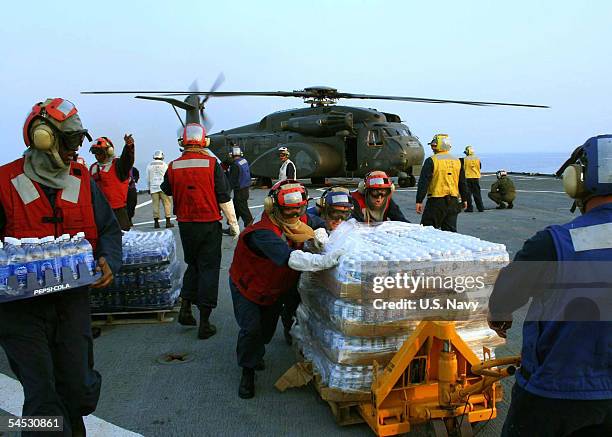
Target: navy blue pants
[
  {"x": 202, "y": 251},
  {"x": 531, "y": 415},
  {"x": 257, "y": 325},
  {"x": 49, "y": 346}
]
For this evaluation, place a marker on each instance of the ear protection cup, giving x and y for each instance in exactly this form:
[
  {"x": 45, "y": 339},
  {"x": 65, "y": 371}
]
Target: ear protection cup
[
  {"x": 268, "y": 204},
  {"x": 207, "y": 142},
  {"x": 392, "y": 187},
  {"x": 42, "y": 136},
  {"x": 361, "y": 187},
  {"x": 573, "y": 181}
]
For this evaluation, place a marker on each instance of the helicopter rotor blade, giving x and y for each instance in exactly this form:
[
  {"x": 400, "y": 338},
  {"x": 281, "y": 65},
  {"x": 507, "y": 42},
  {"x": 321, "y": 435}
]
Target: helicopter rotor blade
[
  {"x": 218, "y": 82},
  {"x": 431, "y": 100}
]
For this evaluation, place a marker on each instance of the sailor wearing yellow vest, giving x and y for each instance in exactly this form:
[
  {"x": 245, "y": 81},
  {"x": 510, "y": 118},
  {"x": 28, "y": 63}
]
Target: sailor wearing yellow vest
[
  {"x": 471, "y": 167},
  {"x": 443, "y": 181}
]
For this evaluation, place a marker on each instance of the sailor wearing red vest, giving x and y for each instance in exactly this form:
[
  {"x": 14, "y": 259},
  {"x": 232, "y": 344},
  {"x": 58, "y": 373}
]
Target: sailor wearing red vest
[
  {"x": 47, "y": 339},
  {"x": 266, "y": 265},
  {"x": 200, "y": 190},
  {"x": 372, "y": 200},
  {"x": 113, "y": 175}
]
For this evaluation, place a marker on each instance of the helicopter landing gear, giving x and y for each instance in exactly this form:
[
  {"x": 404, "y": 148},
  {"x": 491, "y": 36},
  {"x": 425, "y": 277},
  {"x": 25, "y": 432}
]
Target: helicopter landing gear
[
  {"x": 317, "y": 181},
  {"x": 406, "y": 180}
]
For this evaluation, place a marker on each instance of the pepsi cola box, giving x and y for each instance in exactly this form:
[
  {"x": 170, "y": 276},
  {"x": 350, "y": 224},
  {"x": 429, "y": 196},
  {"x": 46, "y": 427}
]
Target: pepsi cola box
[{"x": 33, "y": 288}]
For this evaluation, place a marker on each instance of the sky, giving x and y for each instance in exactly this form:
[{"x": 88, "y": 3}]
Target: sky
[{"x": 555, "y": 53}]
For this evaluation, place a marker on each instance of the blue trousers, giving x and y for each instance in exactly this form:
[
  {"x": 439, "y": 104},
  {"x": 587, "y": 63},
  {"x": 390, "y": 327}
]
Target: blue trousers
[
  {"x": 257, "y": 325},
  {"x": 49, "y": 346}
]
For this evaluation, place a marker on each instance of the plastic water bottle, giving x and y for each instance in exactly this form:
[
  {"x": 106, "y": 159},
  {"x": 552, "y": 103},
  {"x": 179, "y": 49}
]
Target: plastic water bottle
[
  {"x": 52, "y": 258},
  {"x": 68, "y": 254},
  {"x": 34, "y": 256},
  {"x": 17, "y": 260},
  {"x": 5, "y": 269},
  {"x": 86, "y": 252}
]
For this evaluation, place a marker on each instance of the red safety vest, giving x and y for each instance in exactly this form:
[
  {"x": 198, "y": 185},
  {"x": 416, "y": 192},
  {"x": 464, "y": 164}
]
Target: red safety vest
[
  {"x": 361, "y": 201},
  {"x": 256, "y": 277},
  {"x": 115, "y": 190},
  {"x": 29, "y": 213},
  {"x": 192, "y": 178}
]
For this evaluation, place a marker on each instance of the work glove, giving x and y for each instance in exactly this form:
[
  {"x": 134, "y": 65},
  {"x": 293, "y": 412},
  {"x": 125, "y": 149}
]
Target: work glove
[
  {"x": 230, "y": 215},
  {"x": 313, "y": 262},
  {"x": 320, "y": 238}
]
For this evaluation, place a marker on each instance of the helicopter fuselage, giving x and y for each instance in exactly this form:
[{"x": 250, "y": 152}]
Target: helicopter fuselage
[{"x": 326, "y": 141}]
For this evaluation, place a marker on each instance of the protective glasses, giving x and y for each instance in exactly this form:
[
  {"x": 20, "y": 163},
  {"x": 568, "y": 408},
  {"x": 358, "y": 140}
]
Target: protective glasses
[
  {"x": 73, "y": 140},
  {"x": 376, "y": 194},
  {"x": 338, "y": 214}
]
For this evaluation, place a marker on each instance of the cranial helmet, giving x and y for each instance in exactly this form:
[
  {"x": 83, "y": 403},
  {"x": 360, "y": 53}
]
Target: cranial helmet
[
  {"x": 104, "y": 144},
  {"x": 158, "y": 155},
  {"x": 588, "y": 171},
  {"x": 194, "y": 134},
  {"x": 286, "y": 194},
  {"x": 440, "y": 143},
  {"x": 501, "y": 173},
  {"x": 284, "y": 151},
  {"x": 469, "y": 150},
  {"x": 51, "y": 123},
  {"x": 236, "y": 151}
]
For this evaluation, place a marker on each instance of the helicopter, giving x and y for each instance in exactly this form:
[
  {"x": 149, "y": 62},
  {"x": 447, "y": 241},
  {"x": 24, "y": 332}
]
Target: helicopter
[{"x": 325, "y": 139}]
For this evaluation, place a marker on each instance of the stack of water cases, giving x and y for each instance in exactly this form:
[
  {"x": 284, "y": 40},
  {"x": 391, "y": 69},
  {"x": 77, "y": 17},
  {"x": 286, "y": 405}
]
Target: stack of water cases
[
  {"x": 348, "y": 319},
  {"x": 31, "y": 267},
  {"x": 149, "y": 278}
]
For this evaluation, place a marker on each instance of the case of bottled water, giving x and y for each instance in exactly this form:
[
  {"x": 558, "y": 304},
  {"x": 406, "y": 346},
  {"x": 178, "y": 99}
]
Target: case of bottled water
[
  {"x": 31, "y": 267},
  {"x": 149, "y": 279}
]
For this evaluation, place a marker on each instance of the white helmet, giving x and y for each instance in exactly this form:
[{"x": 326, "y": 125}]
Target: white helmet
[
  {"x": 236, "y": 151},
  {"x": 283, "y": 151},
  {"x": 158, "y": 155},
  {"x": 501, "y": 173}
]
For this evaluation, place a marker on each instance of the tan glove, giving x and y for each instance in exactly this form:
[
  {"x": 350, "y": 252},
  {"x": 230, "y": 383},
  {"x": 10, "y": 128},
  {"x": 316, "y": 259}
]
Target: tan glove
[{"x": 230, "y": 215}]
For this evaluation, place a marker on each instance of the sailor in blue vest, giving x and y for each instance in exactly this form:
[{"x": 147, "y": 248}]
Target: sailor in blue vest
[
  {"x": 564, "y": 384},
  {"x": 240, "y": 181}
]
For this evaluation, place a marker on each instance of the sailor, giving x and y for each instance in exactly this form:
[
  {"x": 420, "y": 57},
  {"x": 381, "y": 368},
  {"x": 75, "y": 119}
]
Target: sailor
[
  {"x": 240, "y": 182},
  {"x": 565, "y": 374},
  {"x": 471, "y": 167},
  {"x": 132, "y": 197},
  {"x": 155, "y": 176},
  {"x": 200, "y": 191},
  {"x": 442, "y": 180},
  {"x": 502, "y": 191},
  {"x": 112, "y": 174},
  {"x": 336, "y": 208},
  {"x": 266, "y": 266},
  {"x": 373, "y": 199},
  {"x": 287, "y": 169},
  {"x": 47, "y": 339}
]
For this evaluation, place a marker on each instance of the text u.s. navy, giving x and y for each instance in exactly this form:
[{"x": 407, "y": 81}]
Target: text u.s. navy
[{"x": 425, "y": 304}]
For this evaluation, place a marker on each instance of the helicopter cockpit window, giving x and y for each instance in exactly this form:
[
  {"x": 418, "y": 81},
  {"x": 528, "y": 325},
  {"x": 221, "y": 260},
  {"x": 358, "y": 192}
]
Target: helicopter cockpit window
[
  {"x": 405, "y": 132},
  {"x": 391, "y": 132},
  {"x": 374, "y": 138}
]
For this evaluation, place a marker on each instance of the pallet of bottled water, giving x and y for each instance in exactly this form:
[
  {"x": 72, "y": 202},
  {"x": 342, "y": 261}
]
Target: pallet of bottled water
[
  {"x": 31, "y": 267},
  {"x": 391, "y": 248},
  {"x": 152, "y": 287},
  {"x": 148, "y": 248},
  {"x": 149, "y": 279}
]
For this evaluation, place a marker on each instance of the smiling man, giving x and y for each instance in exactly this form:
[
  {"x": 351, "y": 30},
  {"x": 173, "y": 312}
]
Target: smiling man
[
  {"x": 47, "y": 339},
  {"x": 373, "y": 200}
]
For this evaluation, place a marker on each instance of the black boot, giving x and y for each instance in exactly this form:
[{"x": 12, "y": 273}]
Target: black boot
[
  {"x": 168, "y": 223},
  {"x": 156, "y": 225},
  {"x": 206, "y": 329},
  {"x": 185, "y": 316},
  {"x": 510, "y": 205},
  {"x": 247, "y": 384}
]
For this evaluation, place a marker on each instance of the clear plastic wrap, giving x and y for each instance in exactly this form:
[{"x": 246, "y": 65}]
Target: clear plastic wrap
[
  {"x": 142, "y": 248},
  {"x": 390, "y": 248}
]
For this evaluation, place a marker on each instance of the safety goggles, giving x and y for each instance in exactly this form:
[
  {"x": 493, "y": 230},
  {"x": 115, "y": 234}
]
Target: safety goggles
[
  {"x": 73, "y": 140},
  {"x": 378, "y": 193},
  {"x": 293, "y": 211},
  {"x": 338, "y": 214}
]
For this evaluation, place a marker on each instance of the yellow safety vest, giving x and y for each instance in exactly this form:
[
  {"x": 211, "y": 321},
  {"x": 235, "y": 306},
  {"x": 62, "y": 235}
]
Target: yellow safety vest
[
  {"x": 445, "y": 180},
  {"x": 471, "y": 165}
]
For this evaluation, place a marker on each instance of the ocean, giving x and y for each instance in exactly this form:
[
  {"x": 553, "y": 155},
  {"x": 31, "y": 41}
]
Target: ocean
[{"x": 545, "y": 163}]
